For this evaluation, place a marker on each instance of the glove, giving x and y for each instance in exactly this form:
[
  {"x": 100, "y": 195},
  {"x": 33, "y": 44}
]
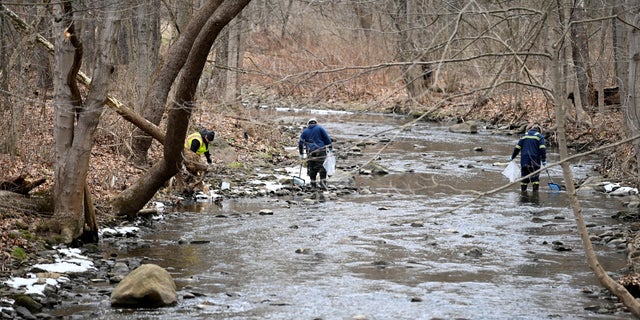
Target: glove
[
  {"x": 544, "y": 163},
  {"x": 510, "y": 158}
]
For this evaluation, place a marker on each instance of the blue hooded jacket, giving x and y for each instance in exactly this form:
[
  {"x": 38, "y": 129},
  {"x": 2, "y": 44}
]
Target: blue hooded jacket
[
  {"x": 314, "y": 137},
  {"x": 531, "y": 148}
]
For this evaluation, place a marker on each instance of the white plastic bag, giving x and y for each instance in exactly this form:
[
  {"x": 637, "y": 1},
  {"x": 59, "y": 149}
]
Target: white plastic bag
[
  {"x": 330, "y": 163},
  {"x": 512, "y": 171}
]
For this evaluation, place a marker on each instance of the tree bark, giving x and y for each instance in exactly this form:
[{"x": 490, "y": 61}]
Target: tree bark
[
  {"x": 632, "y": 107},
  {"x": 417, "y": 79},
  {"x": 6, "y": 110},
  {"x": 67, "y": 187},
  {"x": 580, "y": 54},
  {"x": 147, "y": 37},
  {"x": 74, "y": 131},
  {"x": 228, "y": 53},
  {"x": 617, "y": 289},
  {"x": 130, "y": 201}
]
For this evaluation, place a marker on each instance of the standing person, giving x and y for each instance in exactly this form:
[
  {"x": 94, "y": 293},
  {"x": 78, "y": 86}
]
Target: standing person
[
  {"x": 198, "y": 142},
  {"x": 533, "y": 153},
  {"x": 315, "y": 140}
]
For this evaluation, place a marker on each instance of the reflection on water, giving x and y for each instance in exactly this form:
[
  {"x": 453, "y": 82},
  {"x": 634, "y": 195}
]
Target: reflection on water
[{"x": 407, "y": 251}]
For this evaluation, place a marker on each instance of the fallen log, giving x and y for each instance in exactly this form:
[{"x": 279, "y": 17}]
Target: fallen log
[{"x": 20, "y": 185}]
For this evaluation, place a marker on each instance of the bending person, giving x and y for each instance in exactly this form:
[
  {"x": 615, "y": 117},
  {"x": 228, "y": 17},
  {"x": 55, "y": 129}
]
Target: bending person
[{"x": 315, "y": 140}]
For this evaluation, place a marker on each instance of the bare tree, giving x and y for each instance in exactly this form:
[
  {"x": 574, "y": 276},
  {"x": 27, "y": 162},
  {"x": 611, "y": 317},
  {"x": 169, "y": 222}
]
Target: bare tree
[
  {"x": 417, "y": 77},
  {"x": 580, "y": 54},
  {"x": 76, "y": 120},
  {"x": 156, "y": 97},
  {"x": 632, "y": 106},
  {"x": 560, "y": 111},
  {"x": 146, "y": 27},
  {"x": 134, "y": 198}
]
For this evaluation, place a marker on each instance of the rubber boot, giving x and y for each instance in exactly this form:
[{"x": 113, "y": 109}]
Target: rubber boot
[
  {"x": 323, "y": 185},
  {"x": 313, "y": 184},
  {"x": 536, "y": 187},
  {"x": 523, "y": 187}
]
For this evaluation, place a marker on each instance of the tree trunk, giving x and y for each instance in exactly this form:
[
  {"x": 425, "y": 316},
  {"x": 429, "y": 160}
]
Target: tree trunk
[
  {"x": 620, "y": 53},
  {"x": 580, "y": 54},
  {"x": 220, "y": 70},
  {"x": 44, "y": 70},
  {"x": 156, "y": 98},
  {"x": 617, "y": 289},
  {"x": 8, "y": 143},
  {"x": 67, "y": 189},
  {"x": 285, "y": 19},
  {"x": 365, "y": 18},
  {"x": 417, "y": 79},
  {"x": 234, "y": 60},
  {"x": 130, "y": 201},
  {"x": 632, "y": 107},
  {"x": 147, "y": 34},
  {"x": 228, "y": 48},
  {"x": 74, "y": 140}
]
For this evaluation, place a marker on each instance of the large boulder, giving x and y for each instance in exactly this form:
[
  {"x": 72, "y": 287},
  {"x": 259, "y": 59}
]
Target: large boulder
[
  {"x": 148, "y": 286},
  {"x": 464, "y": 127}
]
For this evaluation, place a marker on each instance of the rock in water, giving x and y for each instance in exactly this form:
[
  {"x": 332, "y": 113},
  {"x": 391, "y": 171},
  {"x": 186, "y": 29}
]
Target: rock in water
[{"x": 148, "y": 286}]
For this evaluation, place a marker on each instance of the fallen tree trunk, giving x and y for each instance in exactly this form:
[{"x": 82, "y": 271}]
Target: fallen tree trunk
[{"x": 20, "y": 185}]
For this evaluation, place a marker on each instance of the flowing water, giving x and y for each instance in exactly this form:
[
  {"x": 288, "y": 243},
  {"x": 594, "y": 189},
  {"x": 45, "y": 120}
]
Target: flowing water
[{"x": 416, "y": 247}]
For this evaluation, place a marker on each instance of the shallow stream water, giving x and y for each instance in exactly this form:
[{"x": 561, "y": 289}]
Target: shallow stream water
[{"x": 409, "y": 249}]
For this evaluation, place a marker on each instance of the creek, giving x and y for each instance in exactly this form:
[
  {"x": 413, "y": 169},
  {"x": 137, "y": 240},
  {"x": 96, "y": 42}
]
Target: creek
[{"x": 408, "y": 249}]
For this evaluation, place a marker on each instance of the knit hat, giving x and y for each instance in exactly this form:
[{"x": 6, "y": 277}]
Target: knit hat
[{"x": 210, "y": 135}]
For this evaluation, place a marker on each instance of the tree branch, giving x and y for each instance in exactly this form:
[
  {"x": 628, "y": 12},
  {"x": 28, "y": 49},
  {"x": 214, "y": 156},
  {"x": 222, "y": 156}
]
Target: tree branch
[{"x": 113, "y": 103}]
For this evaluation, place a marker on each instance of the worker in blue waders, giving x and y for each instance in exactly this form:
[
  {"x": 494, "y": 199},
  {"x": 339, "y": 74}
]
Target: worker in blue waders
[
  {"x": 533, "y": 154},
  {"x": 315, "y": 140}
]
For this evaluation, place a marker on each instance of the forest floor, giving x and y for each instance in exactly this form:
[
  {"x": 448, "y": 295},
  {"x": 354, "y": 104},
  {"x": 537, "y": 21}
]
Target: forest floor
[{"x": 111, "y": 171}]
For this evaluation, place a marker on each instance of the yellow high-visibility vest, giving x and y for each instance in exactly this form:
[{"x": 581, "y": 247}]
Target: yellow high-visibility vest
[{"x": 196, "y": 136}]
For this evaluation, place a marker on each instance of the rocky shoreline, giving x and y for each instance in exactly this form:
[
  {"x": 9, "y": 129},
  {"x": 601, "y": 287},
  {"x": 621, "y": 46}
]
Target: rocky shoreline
[{"x": 49, "y": 285}]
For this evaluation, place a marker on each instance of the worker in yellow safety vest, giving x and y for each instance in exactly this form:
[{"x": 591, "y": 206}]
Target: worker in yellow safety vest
[{"x": 198, "y": 142}]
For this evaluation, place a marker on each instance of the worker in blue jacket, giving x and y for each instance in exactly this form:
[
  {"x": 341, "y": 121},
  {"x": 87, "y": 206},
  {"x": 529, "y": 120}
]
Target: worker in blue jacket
[
  {"x": 315, "y": 140},
  {"x": 533, "y": 153}
]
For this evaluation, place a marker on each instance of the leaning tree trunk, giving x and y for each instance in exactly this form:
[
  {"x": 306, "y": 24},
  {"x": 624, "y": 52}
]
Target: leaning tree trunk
[
  {"x": 135, "y": 197},
  {"x": 74, "y": 140},
  {"x": 156, "y": 97},
  {"x": 592, "y": 260}
]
